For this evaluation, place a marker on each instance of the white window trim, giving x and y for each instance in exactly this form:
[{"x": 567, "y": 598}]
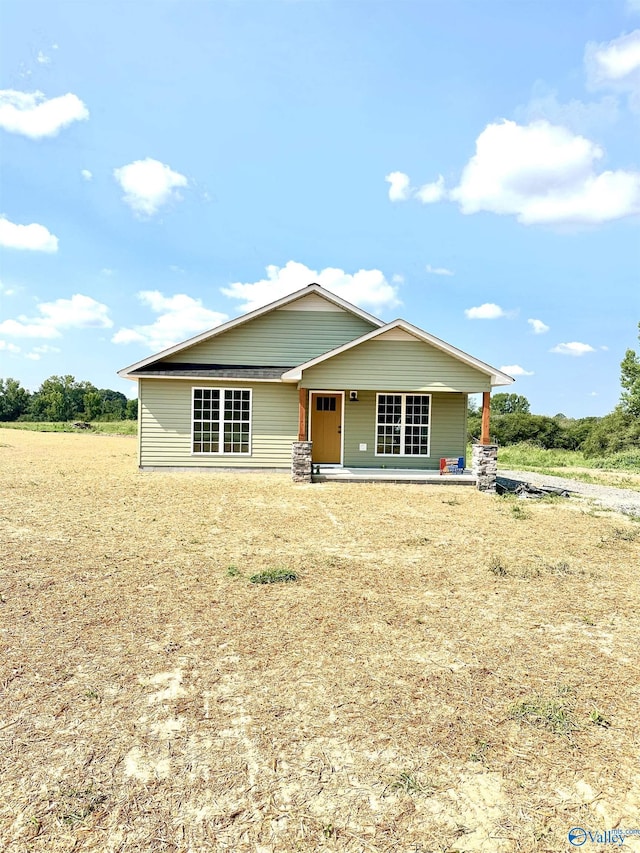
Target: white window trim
[
  {"x": 403, "y": 395},
  {"x": 221, "y": 390}
]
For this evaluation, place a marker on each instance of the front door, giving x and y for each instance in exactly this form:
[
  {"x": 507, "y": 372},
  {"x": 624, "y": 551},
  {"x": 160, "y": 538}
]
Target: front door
[{"x": 326, "y": 428}]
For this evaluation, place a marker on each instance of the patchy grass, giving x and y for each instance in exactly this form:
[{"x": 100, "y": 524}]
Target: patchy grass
[
  {"x": 274, "y": 576},
  {"x": 403, "y": 697},
  {"x": 598, "y": 719},
  {"x": 552, "y": 714},
  {"x": 519, "y": 512},
  {"x": 562, "y": 567},
  {"x": 625, "y": 534},
  {"x": 498, "y": 567},
  {"x": 77, "y": 804},
  {"x": 97, "y": 427},
  {"x": 621, "y": 470},
  {"x": 530, "y": 457},
  {"x": 408, "y": 783}
]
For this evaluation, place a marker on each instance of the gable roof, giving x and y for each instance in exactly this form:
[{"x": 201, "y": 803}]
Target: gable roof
[
  {"x": 138, "y": 366},
  {"x": 497, "y": 376}
]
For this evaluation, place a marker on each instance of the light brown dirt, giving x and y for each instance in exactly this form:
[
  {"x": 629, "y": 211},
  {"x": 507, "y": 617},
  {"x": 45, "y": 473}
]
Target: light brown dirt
[{"x": 151, "y": 701}]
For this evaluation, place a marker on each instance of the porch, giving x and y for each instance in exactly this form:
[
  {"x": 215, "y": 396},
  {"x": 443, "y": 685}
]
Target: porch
[{"x": 332, "y": 474}]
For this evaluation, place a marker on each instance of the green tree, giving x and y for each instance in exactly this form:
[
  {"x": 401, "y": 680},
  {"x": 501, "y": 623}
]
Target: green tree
[
  {"x": 114, "y": 405},
  {"x": 615, "y": 433},
  {"x": 509, "y": 404},
  {"x": 92, "y": 403},
  {"x": 14, "y": 399},
  {"x": 630, "y": 381},
  {"x": 59, "y": 398},
  {"x": 131, "y": 412}
]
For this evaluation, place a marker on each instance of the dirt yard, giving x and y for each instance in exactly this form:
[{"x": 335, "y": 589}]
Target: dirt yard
[{"x": 450, "y": 671}]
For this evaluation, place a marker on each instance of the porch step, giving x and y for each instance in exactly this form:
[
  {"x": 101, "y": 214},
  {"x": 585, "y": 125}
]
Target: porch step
[{"x": 392, "y": 475}]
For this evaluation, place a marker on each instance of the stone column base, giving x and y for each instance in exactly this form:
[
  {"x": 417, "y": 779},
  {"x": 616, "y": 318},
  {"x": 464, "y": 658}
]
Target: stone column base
[
  {"x": 301, "y": 461},
  {"x": 484, "y": 466}
]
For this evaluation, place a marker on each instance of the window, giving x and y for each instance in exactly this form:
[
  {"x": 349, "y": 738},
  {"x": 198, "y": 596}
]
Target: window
[
  {"x": 402, "y": 427},
  {"x": 325, "y": 404},
  {"x": 221, "y": 420}
]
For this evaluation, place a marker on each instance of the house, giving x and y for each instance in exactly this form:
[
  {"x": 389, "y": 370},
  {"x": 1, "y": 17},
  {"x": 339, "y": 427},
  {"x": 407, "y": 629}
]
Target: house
[{"x": 314, "y": 373}]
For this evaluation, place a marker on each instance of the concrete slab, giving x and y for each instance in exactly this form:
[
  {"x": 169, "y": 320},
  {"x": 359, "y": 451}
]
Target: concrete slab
[{"x": 391, "y": 475}]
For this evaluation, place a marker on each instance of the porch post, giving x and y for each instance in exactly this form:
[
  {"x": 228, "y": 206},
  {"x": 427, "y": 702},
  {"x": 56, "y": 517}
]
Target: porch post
[
  {"x": 485, "y": 455},
  {"x": 302, "y": 414},
  {"x": 301, "y": 449},
  {"x": 486, "y": 410}
]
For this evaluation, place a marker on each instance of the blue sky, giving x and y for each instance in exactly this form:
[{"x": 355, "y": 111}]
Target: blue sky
[{"x": 472, "y": 167}]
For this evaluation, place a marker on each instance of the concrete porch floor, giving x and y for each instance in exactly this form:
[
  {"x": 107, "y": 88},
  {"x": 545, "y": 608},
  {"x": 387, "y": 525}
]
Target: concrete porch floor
[{"x": 392, "y": 475}]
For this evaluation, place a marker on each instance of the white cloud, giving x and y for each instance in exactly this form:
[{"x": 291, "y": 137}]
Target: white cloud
[
  {"x": 37, "y": 352},
  {"x": 438, "y": 270},
  {"x": 576, "y": 115},
  {"x": 42, "y": 58},
  {"x": 544, "y": 174},
  {"x": 5, "y": 346},
  {"x": 614, "y": 60},
  {"x": 572, "y": 348},
  {"x": 538, "y": 327},
  {"x": 35, "y": 237},
  {"x": 79, "y": 312},
  {"x": 7, "y": 291},
  {"x": 615, "y": 65},
  {"x": 430, "y": 193},
  {"x": 180, "y": 317},
  {"x": 515, "y": 370},
  {"x": 397, "y": 279},
  {"x": 45, "y": 348},
  {"x": 86, "y": 174},
  {"x": 487, "y": 311},
  {"x": 31, "y": 114},
  {"x": 363, "y": 288},
  {"x": 400, "y": 188},
  {"x": 24, "y": 327},
  {"x": 149, "y": 184}
]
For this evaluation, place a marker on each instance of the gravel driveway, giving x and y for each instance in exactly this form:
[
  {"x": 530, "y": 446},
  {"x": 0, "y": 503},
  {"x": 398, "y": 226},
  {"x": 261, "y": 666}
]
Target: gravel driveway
[{"x": 626, "y": 501}]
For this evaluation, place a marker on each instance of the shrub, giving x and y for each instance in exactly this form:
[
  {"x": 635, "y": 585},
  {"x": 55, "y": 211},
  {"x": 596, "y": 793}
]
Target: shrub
[{"x": 615, "y": 433}]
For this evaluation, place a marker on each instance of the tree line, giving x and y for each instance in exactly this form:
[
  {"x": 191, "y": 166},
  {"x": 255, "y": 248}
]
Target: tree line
[
  {"x": 617, "y": 432},
  {"x": 63, "y": 398}
]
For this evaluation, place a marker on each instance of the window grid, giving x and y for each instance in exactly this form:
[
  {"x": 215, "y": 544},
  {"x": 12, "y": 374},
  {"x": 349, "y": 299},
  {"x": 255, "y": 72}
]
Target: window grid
[
  {"x": 402, "y": 427},
  {"x": 325, "y": 404},
  {"x": 221, "y": 421}
]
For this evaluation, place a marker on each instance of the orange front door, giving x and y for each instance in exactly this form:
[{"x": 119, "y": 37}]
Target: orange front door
[{"x": 326, "y": 428}]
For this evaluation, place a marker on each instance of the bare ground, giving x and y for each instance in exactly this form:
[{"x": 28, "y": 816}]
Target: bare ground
[{"x": 448, "y": 673}]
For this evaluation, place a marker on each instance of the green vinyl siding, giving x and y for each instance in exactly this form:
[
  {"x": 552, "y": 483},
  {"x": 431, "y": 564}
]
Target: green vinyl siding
[
  {"x": 165, "y": 425},
  {"x": 448, "y": 432},
  {"x": 399, "y": 365},
  {"x": 281, "y": 337}
]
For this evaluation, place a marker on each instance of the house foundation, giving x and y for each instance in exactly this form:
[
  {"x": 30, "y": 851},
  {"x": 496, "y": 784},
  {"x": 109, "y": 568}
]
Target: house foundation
[
  {"x": 484, "y": 465},
  {"x": 301, "y": 461}
]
